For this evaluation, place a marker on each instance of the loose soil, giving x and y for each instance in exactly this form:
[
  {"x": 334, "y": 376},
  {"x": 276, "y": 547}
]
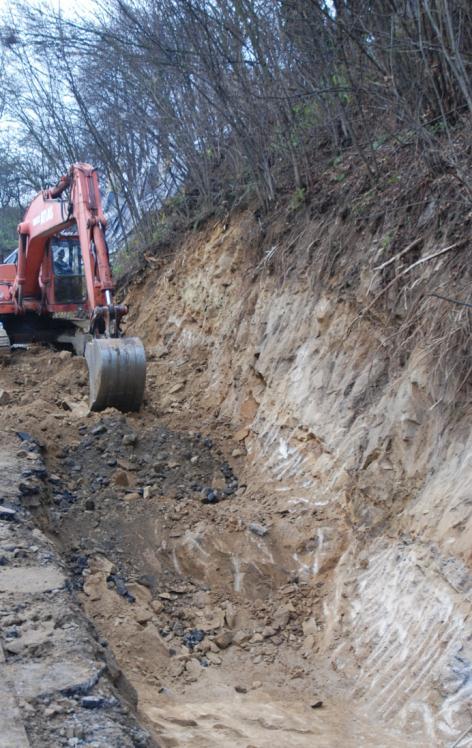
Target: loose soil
[
  {"x": 276, "y": 549},
  {"x": 205, "y": 615}
]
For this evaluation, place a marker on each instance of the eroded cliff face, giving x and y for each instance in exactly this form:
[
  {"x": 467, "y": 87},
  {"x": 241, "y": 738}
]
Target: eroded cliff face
[{"x": 356, "y": 462}]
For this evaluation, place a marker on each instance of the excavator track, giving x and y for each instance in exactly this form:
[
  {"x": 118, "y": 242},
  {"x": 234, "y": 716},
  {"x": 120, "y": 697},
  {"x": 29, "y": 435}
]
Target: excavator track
[
  {"x": 5, "y": 345},
  {"x": 117, "y": 373}
]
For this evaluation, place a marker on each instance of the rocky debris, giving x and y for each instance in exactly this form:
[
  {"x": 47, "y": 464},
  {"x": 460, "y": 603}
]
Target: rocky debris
[
  {"x": 8, "y": 514},
  {"x": 257, "y": 529},
  {"x": 129, "y": 439},
  {"x": 193, "y": 637},
  {"x": 118, "y": 582},
  {"x": 99, "y": 429},
  {"x": 58, "y": 676},
  {"x": 5, "y": 397},
  {"x": 223, "y": 639},
  {"x": 160, "y": 463}
]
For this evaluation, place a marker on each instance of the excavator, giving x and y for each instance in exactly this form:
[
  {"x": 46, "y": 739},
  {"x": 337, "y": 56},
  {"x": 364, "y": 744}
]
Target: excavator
[{"x": 58, "y": 288}]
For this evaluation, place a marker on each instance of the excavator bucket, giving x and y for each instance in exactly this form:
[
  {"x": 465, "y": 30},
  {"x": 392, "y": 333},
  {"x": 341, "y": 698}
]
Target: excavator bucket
[{"x": 117, "y": 373}]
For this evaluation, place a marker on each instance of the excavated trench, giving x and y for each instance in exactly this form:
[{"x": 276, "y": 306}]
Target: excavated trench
[
  {"x": 275, "y": 550},
  {"x": 210, "y": 618},
  {"x": 209, "y": 621}
]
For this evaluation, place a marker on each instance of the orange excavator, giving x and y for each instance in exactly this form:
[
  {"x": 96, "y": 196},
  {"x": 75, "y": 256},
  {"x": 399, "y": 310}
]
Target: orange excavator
[{"x": 58, "y": 288}]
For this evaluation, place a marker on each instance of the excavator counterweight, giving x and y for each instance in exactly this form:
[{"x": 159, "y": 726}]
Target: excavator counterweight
[{"x": 58, "y": 287}]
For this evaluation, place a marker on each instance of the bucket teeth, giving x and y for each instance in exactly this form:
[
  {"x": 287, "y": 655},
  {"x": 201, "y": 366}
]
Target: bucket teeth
[{"x": 117, "y": 373}]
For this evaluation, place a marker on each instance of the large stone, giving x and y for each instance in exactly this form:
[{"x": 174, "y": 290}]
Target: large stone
[
  {"x": 33, "y": 679},
  {"x": 30, "y": 579}
]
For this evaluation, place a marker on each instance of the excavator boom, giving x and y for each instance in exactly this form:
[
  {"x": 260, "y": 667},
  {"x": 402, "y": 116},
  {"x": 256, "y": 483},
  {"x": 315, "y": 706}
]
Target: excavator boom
[{"x": 41, "y": 284}]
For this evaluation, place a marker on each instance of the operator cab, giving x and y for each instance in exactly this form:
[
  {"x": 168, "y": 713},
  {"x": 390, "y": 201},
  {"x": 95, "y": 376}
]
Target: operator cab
[
  {"x": 12, "y": 258},
  {"x": 68, "y": 268},
  {"x": 69, "y": 280}
]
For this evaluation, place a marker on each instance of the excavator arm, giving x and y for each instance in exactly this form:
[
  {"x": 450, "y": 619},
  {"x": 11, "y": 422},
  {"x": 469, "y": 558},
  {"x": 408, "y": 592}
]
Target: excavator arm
[
  {"x": 117, "y": 364},
  {"x": 46, "y": 217}
]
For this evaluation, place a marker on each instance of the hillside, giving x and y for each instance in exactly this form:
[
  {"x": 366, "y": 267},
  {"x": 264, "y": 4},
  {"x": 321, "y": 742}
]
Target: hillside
[{"x": 278, "y": 546}]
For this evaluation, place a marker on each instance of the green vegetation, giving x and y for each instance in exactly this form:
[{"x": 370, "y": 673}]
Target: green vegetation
[{"x": 9, "y": 219}]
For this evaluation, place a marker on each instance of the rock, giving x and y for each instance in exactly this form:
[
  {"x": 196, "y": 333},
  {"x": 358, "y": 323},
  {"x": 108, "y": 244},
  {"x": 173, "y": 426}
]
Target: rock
[
  {"x": 90, "y": 505},
  {"x": 93, "y": 586},
  {"x": 308, "y": 644},
  {"x": 218, "y": 483},
  {"x": 210, "y": 498},
  {"x": 193, "y": 637},
  {"x": 223, "y": 639},
  {"x": 257, "y": 638},
  {"x": 240, "y": 689},
  {"x": 238, "y": 453},
  {"x": 65, "y": 355},
  {"x": 120, "y": 478},
  {"x": 8, "y": 514},
  {"x": 142, "y": 615},
  {"x": 283, "y": 616},
  {"x": 240, "y": 637},
  {"x": 309, "y": 627},
  {"x": 268, "y": 631},
  {"x": 132, "y": 496},
  {"x": 5, "y": 397},
  {"x": 248, "y": 409},
  {"x": 214, "y": 659},
  {"x": 204, "y": 646},
  {"x": 28, "y": 488},
  {"x": 193, "y": 669},
  {"x": 127, "y": 465},
  {"x": 129, "y": 439},
  {"x": 100, "y": 429},
  {"x": 241, "y": 434},
  {"x": 176, "y": 668},
  {"x": 317, "y": 705},
  {"x": 120, "y": 587},
  {"x": 53, "y": 709},
  {"x": 230, "y": 615},
  {"x": 178, "y": 628},
  {"x": 211, "y": 619},
  {"x": 93, "y": 702},
  {"x": 157, "y": 606},
  {"x": 258, "y": 529},
  {"x": 147, "y": 490},
  {"x": 256, "y": 684},
  {"x": 14, "y": 647}
]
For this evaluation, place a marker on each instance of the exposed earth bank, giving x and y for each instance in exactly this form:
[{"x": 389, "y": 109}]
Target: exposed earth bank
[{"x": 277, "y": 548}]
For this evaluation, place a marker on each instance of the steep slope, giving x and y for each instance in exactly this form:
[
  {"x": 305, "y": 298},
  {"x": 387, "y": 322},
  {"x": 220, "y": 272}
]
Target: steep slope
[
  {"x": 276, "y": 549},
  {"x": 358, "y": 444}
]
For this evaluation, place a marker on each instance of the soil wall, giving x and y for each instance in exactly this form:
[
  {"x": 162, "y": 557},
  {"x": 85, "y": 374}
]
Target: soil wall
[{"x": 358, "y": 455}]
